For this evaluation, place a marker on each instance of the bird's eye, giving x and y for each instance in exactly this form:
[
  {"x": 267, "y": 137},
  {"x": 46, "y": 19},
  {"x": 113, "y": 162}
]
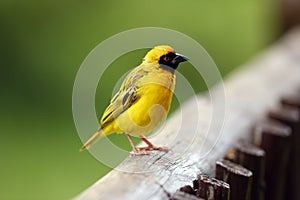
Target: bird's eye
[{"x": 166, "y": 58}]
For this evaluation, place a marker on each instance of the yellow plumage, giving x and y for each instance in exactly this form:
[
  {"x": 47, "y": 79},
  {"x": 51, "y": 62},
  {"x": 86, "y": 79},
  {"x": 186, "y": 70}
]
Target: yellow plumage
[{"x": 143, "y": 100}]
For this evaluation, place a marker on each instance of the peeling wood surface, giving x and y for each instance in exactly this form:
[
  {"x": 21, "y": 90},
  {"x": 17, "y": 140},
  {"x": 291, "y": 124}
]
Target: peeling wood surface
[{"x": 250, "y": 92}]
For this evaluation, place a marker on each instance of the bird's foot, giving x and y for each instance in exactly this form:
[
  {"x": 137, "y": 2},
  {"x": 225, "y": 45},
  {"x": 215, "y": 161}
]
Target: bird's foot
[
  {"x": 151, "y": 148},
  {"x": 140, "y": 152}
]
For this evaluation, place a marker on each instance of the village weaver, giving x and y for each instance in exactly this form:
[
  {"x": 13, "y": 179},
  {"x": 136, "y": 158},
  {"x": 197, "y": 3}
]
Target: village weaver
[{"x": 143, "y": 101}]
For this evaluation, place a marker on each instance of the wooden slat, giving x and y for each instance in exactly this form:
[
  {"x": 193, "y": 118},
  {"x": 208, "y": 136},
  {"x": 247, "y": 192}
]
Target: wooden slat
[
  {"x": 253, "y": 158},
  {"x": 293, "y": 183},
  {"x": 250, "y": 92},
  {"x": 275, "y": 139},
  {"x": 238, "y": 177},
  {"x": 212, "y": 188}
]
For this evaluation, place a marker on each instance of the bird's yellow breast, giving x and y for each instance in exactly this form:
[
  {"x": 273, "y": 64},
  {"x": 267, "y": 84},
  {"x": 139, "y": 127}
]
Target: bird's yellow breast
[
  {"x": 148, "y": 113},
  {"x": 155, "y": 98},
  {"x": 151, "y": 109}
]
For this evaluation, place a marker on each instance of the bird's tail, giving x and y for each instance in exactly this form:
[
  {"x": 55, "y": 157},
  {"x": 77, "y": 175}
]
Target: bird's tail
[{"x": 99, "y": 134}]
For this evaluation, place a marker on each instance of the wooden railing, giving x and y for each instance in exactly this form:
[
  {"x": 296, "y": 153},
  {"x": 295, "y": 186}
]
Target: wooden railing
[{"x": 255, "y": 155}]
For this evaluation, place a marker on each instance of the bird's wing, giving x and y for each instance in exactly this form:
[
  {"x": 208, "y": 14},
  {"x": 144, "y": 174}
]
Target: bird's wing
[{"x": 125, "y": 98}]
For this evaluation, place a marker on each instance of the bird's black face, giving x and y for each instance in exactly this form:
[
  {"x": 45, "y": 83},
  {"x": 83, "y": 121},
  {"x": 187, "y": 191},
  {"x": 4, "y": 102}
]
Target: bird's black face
[{"x": 172, "y": 60}]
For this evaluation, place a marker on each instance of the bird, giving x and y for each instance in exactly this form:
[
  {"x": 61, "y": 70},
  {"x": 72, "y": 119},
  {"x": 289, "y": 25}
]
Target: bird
[{"x": 143, "y": 100}]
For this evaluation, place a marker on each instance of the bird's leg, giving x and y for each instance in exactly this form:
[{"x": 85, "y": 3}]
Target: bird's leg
[
  {"x": 151, "y": 146},
  {"x": 136, "y": 151}
]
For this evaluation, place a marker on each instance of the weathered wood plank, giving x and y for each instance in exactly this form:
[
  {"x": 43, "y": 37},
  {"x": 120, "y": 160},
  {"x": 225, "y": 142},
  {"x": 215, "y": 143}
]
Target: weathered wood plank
[{"x": 250, "y": 92}]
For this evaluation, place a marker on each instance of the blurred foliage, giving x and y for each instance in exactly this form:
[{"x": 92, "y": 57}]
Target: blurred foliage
[{"x": 42, "y": 46}]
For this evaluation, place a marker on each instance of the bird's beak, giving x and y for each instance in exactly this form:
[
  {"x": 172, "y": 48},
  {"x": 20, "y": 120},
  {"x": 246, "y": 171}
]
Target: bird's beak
[{"x": 179, "y": 58}]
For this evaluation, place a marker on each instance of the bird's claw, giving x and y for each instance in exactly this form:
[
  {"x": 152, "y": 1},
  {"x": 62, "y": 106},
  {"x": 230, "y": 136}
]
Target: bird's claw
[
  {"x": 151, "y": 148},
  {"x": 140, "y": 153},
  {"x": 162, "y": 148}
]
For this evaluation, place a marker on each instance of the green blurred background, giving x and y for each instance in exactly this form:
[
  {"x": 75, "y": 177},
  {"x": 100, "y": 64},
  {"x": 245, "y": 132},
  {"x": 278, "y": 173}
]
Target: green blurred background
[{"x": 43, "y": 44}]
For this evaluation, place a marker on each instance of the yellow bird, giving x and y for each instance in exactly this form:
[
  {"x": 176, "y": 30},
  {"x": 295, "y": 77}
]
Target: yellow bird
[{"x": 143, "y": 101}]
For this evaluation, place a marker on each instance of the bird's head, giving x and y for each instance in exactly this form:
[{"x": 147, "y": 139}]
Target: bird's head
[{"x": 165, "y": 56}]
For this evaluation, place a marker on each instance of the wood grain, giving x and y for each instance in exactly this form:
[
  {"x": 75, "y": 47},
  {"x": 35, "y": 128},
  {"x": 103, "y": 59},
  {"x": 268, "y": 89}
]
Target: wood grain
[{"x": 250, "y": 92}]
